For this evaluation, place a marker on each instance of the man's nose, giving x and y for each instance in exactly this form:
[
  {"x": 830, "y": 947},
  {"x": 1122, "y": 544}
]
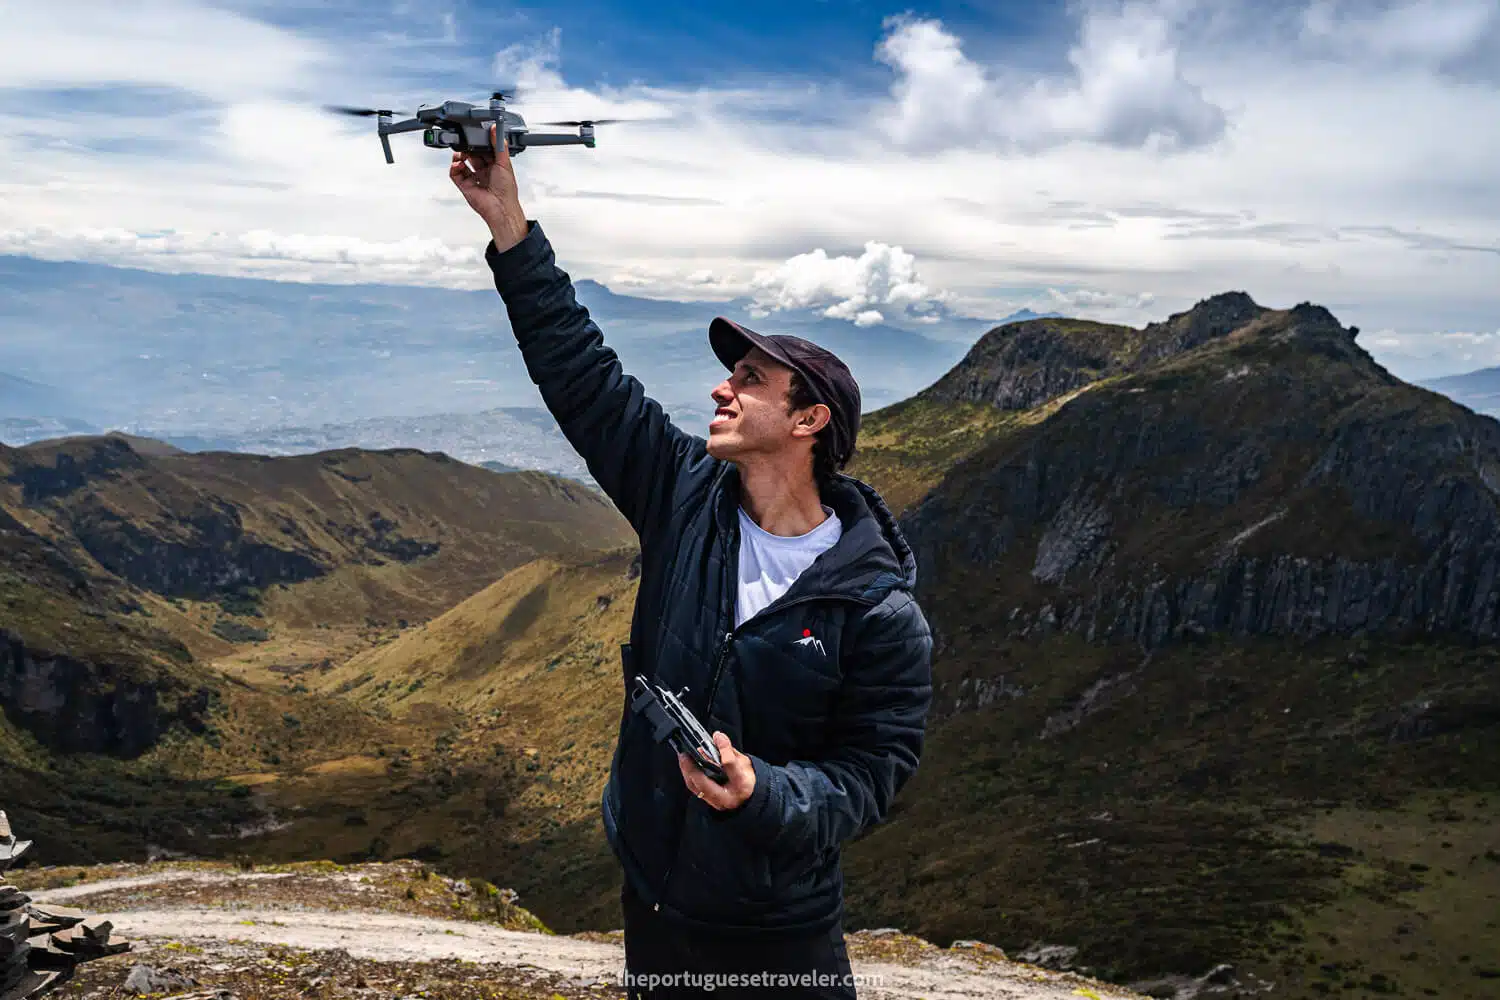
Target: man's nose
[{"x": 722, "y": 393}]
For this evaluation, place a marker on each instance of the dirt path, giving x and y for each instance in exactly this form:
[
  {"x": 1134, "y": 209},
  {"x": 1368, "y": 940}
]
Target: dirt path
[
  {"x": 103, "y": 886},
  {"x": 143, "y": 908}
]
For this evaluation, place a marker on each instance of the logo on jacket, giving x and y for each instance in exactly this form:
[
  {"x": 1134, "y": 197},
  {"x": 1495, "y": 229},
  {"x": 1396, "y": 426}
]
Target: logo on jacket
[{"x": 808, "y": 639}]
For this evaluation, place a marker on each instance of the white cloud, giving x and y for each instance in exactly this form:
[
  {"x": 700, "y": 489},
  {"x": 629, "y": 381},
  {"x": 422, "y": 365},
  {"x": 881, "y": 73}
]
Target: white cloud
[
  {"x": 847, "y": 287},
  {"x": 937, "y": 87},
  {"x": 1421, "y": 30},
  {"x": 532, "y": 64},
  {"x": 165, "y": 43},
  {"x": 1126, "y": 88},
  {"x": 1093, "y": 300}
]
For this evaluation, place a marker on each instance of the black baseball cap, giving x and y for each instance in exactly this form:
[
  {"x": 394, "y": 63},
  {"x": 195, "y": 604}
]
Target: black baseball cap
[{"x": 827, "y": 376}]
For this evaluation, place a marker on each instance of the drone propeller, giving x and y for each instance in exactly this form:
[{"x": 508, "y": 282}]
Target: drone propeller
[
  {"x": 358, "y": 112},
  {"x": 591, "y": 121}
]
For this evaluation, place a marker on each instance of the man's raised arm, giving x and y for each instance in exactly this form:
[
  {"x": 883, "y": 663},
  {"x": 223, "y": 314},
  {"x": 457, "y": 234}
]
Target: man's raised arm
[{"x": 632, "y": 449}]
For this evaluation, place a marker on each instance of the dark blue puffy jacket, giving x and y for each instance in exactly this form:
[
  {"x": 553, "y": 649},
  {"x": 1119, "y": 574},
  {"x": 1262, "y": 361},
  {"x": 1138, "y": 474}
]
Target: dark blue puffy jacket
[{"x": 834, "y": 727}]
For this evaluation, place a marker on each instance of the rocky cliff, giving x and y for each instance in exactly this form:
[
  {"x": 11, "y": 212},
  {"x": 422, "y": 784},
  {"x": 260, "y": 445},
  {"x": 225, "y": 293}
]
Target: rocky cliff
[
  {"x": 1241, "y": 471},
  {"x": 75, "y": 706}
]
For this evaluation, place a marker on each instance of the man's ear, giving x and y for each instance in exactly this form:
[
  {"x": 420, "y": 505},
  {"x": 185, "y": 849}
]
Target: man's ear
[{"x": 812, "y": 420}]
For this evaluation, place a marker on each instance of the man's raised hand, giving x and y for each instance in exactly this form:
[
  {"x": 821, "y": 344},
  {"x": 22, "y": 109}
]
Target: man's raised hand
[{"x": 488, "y": 184}]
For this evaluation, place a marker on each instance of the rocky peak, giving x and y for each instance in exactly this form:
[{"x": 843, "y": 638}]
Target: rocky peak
[
  {"x": 1214, "y": 317},
  {"x": 1315, "y": 332},
  {"x": 1021, "y": 365},
  {"x": 1309, "y": 314},
  {"x": 1315, "y": 322},
  {"x": 1024, "y": 364}
]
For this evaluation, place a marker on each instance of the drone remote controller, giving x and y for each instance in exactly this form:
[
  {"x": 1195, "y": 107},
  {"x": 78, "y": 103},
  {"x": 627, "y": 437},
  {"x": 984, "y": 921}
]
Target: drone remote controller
[
  {"x": 673, "y": 723},
  {"x": 466, "y": 127}
]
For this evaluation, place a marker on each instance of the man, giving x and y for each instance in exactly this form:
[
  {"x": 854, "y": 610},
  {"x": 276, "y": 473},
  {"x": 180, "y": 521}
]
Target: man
[{"x": 774, "y": 588}]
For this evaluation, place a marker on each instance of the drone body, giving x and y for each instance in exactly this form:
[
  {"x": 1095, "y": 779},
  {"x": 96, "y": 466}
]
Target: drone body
[{"x": 466, "y": 127}]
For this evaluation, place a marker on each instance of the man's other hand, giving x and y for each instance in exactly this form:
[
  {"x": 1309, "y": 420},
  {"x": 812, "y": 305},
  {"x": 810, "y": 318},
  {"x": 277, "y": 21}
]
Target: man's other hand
[
  {"x": 736, "y": 765},
  {"x": 488, "y": 184}
]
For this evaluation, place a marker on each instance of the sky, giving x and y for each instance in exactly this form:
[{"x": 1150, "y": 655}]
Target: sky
[{"x": 1118, "y": 161}]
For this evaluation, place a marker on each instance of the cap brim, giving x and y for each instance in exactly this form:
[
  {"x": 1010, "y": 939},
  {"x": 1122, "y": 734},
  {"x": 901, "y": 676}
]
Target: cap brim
[{"x": 731, "y": 342}]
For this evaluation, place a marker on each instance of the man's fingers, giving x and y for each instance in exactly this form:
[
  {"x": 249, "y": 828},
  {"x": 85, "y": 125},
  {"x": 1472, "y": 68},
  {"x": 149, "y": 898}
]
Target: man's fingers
[
  {"x": 500, "y": 148},
  {"x": 727, "y": 752}
]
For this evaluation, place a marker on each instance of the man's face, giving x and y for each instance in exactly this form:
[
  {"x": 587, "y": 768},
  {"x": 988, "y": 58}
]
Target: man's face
[{"x": 752, "y": 415}]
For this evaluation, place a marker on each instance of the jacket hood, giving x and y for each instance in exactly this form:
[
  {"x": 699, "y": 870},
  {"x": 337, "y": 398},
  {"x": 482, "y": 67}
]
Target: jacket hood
[{"x": 871, "y": 557}]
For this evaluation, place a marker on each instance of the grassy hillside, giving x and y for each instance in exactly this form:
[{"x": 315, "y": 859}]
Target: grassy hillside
[
  {"x": 1215, "y": 802},
  {"x": 182, "y": 597},
  {"x": 517, "y": 694},
  {"x": 333, "y": 540}
]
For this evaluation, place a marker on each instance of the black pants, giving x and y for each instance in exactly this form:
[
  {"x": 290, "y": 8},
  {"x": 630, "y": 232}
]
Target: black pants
[{"x": 688, "y": 964}]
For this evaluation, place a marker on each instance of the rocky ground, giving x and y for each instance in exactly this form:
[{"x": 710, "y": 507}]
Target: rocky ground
[{"x": 215, "y": 931}]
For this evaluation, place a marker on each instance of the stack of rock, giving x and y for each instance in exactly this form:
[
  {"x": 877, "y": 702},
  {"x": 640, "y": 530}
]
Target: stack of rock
[{"x": 41, "y": 944}]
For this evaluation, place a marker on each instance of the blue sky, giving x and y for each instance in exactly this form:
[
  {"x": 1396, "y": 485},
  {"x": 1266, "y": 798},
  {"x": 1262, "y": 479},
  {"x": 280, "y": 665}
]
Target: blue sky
[
  {"x": 1118, "y": 159},
  {"x": 681, "y": 43}
]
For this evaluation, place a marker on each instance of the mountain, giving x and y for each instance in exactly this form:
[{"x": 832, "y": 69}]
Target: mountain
[
  {"x": 516, "y": 437},
  {"x": 1297, "y": 455},
  {"x": 1021, "y": 315},
  {"x": 184, "y": 355},
  {"x": 503, "y": 439},
  {"x": 1214, "y": 602},
  {"x": 1478, "y": 390}
]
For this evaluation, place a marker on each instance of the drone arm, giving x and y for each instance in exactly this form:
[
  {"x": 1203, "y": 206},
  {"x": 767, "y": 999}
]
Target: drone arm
[
  {"x": 385, "y": 144},
  {"x": 409, "y": 125},
  {"x": 552, "y": 139}
]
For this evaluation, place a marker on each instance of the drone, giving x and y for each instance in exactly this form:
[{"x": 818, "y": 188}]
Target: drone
[{"x": 466, "y": 127}]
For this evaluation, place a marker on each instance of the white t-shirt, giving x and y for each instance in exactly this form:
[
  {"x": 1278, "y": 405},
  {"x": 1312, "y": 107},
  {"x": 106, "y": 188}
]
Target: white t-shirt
[{"x": 770, "y": 563}]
